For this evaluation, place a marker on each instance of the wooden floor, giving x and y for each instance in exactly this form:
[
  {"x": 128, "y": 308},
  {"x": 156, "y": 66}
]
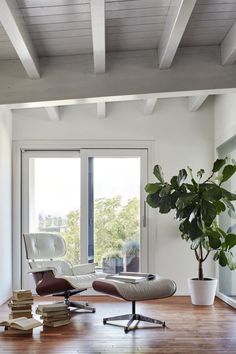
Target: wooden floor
[{"x": 190, "y": 329}]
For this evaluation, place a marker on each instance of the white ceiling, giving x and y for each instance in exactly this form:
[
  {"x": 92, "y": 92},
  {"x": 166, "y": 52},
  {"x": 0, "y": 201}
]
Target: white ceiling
[{"x": 63, "y": 27}]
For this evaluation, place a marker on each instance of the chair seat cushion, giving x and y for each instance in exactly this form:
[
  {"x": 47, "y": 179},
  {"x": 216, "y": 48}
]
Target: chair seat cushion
[
  {"x": 81, "y": 281},
  {"x": 157, "y": 288}
]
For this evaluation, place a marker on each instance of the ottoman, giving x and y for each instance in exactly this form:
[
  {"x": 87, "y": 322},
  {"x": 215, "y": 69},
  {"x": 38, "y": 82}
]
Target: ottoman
[{"x": 157, "y": 288}]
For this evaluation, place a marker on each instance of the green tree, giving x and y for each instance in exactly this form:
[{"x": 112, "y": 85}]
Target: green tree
[
  {"x": 113, "y": 225},
  {"x": 72, "y": 237}
]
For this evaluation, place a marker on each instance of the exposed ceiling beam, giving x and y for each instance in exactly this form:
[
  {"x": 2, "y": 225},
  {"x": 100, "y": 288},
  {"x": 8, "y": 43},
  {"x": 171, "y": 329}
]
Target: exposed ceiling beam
[
  {"x": 101, "y": 109},
  {"x": 228, "y": 47},
  {"x": 195, "y": 102},
  {"x": 176, "y": 22},
  {"x": 69, "y": 81},
  {"x": 149, "y": 105},
  {"x": 98, "y": 34},
  {"x": 12, "y": 21},
  {"x": 53, "y": 113}
]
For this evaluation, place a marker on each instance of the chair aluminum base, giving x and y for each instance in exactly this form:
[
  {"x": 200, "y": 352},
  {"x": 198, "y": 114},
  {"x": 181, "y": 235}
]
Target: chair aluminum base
[
  {"x": 79, "y": 305},
  {"x": 75, "y": 304},
  {"x": 131, "y": 318}
]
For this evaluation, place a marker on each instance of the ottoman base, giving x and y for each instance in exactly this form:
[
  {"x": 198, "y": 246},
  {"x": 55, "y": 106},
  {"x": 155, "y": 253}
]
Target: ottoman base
[{"x": 131, "y": 318}]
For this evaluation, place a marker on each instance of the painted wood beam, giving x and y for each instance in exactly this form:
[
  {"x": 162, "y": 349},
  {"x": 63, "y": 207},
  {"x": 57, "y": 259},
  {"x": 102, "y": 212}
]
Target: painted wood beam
[
  {"x": 195, "y": 102},
  {"x": 98, "y": 34},
  {"x": 149, "y": 106},
  {"x": 101, "y": 109},
  {"x": 53, "y": 113},
  {"x": 228, "y": 47},
  {"x": 176, "y": 22},
  {"x": 12, "y": 21},
  {"x": 68, "y": 80}
]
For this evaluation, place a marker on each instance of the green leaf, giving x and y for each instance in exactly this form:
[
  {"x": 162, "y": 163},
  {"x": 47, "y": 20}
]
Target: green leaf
[
  {"x": 193, "y": 213},
  {"x": 222, "y": 259},
  {"x": 218, "y": 164},
  {"x": 208, "y": 212},
  {"x": 153, "y": 200},
  {"x": 228, "y": 204},
  {"x": 157, "y": 171},
  {"x": 212, "y": 193},
  {"x": 228, "y": 172},
  {"x": 195, "y": 244},
  {"x": 220, "y": 207},
  {"x": 200, "y": 173},
  {"x": 230, "y": 241},
  {"x": 216, "y": 256},
  {"x": 165, "y": 204},
  {"x": 194, "y": 231},
  {"x": 153, "y": 187},
  {"x": 181, "y": 177},
  {"x": 185, "y": 200},
  {"x": 227, "y": 195},
  {"x": 174, "y": 182},
  {"x": 214, "y": 239},
  {"x": 165, "y": 190}
]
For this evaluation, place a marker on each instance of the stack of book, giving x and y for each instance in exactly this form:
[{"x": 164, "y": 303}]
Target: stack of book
[
  {"x": 20, "y": 326},
  {"x": 21, "y": 304},
  {"x": 54, "y": 315}
]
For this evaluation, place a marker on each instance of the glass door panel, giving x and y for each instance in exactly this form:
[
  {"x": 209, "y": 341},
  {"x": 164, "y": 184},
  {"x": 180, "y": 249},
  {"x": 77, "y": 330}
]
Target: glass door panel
[
  {"x": 51, "y": 198},
  {"x": 117, "y": 235},
  {"x": 117, "y": 213},
  {"x": 227, "y": 278}
]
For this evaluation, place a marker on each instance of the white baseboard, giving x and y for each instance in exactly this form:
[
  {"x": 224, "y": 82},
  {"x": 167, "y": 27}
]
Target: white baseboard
[{"x": 226, "y": 299}]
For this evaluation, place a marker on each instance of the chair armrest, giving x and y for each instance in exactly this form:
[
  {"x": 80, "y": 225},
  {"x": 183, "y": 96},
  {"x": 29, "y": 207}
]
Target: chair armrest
[
  {"x": 82, "y": 269},
  {"x": 42, "y": 270}
]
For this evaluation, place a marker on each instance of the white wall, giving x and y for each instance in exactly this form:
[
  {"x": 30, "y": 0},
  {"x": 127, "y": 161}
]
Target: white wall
[
  {"x": 182, "y": 138},
  {"x": 5, "y": 205}
]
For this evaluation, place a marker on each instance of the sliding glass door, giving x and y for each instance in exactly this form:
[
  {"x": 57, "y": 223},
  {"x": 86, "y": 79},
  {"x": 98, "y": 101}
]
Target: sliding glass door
[
  {"x": 94, "y": 199},
  {"x": 227, "y": 278},
  {"x": 51, "y": 199}
]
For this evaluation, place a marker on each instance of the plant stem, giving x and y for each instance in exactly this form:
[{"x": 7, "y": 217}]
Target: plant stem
[{"x": 200, "y": 261}]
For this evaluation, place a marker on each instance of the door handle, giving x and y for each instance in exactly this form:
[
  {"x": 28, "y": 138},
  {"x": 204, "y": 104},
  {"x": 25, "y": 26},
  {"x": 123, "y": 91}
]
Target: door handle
[{"x": 144, "y": 214}]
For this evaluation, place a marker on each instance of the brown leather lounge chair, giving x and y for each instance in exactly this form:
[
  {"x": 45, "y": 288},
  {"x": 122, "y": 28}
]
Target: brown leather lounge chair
[{"x": 54, "y": 276}]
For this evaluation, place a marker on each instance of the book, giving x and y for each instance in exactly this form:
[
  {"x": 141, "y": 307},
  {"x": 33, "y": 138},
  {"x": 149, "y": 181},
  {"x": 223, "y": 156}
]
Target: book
[
  {"x": 13, "y": 331},
  {"x": 53, "y": 314},
  {"x": 56, "y": 323},
  {"x": 147, "y": 276},
  {"x": 21, "y": 302},
  {"x": 52, "y": 307},
  {"x": 22, "y": 294},
  {"x": 133, "y": 278},
  {"x": 13, "y": 315},
  {"x": 21, "y": 323},
  {"x": 19, "y": 307}
]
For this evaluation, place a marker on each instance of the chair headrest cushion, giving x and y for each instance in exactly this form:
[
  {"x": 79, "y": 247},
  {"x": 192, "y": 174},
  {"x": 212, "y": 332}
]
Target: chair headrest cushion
[{"x": 44, "y": 246}]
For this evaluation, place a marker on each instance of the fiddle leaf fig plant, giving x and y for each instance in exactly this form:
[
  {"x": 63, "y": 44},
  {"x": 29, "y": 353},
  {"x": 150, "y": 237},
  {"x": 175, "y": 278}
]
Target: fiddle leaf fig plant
[{"x": 197, "y": 201}]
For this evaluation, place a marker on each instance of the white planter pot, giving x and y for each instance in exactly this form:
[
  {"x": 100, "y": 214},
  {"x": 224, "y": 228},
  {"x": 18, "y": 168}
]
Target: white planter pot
[{"x": 202, "y": 291}]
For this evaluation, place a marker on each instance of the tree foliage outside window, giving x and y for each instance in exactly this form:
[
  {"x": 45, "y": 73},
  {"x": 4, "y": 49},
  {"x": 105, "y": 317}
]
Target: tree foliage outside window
[{"x": 114, "y": 225}]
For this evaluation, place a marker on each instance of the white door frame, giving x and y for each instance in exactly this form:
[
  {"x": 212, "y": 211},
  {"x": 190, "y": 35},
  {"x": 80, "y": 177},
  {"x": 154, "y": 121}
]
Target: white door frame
[
  {"x": 63, "y": 145},
  {"x": 27, "y": 174},
  {"x": 142, "y": 153}
]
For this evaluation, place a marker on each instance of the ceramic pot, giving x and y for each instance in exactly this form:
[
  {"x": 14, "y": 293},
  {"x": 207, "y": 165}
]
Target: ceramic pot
[{"x": 202, "y": 291}]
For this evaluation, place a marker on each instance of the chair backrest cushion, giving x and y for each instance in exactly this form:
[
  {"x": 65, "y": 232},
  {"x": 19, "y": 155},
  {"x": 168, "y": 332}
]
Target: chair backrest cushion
[
  {"x": 44, "y": 246},
  {"x": 61, "y": 267}
]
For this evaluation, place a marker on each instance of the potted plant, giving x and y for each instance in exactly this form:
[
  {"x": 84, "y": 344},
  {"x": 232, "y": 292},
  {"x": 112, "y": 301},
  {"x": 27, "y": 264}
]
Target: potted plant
[
  {"x": 197, "y": 202},
  {"x": 131, "y": 256},
  {"x": 112, "y": 262}
]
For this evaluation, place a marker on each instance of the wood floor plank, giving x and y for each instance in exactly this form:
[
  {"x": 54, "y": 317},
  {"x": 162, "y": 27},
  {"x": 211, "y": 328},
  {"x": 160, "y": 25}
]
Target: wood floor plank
[{"x": 190, "y": 329}]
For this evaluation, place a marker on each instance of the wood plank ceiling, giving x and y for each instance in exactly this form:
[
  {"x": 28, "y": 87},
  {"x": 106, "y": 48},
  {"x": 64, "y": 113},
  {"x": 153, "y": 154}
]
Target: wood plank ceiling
[{"x": 63, "y": 27}]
